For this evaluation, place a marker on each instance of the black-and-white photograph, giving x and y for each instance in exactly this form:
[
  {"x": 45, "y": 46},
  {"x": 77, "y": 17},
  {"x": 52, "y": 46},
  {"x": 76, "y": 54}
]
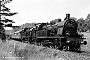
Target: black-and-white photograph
[{"x": 44, "y": 30}]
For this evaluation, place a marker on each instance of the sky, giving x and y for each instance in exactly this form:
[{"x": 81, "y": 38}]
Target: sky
[{"x": 46, "y": 10}]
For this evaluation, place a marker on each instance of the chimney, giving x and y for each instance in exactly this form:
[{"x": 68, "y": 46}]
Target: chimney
[{"x": 67, "y": 16}]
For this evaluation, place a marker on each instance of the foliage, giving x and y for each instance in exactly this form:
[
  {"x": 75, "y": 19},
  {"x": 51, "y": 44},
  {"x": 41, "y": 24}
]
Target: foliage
[
  {"x": 84, "y": 25},
  {"x": 4, "y": 11},
  {"x": 55, "y": 21},
  {"x": 80, "y": 21}
]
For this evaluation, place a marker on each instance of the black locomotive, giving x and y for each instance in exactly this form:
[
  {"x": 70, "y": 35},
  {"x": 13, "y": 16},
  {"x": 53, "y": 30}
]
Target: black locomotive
[{"x": 62, "y": 35}]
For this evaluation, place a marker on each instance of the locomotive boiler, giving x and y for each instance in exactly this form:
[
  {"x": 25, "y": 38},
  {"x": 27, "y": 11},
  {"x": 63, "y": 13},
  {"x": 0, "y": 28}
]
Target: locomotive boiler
[{"x": 62, "y": 35}]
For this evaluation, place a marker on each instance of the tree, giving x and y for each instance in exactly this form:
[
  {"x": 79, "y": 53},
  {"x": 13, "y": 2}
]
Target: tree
[
  {"x": 81, "y": 22},
  {"x": 4, "y": 11},
  {"x": 87, "y": 21},
  {"x": 55, "y": 21}
]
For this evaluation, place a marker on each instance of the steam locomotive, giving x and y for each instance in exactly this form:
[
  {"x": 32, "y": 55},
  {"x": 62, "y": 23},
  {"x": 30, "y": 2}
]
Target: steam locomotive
[{"x": 62, "y": 35}]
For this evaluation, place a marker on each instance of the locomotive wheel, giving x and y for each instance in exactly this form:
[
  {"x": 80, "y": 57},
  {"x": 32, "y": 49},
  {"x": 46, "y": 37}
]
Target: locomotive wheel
[
  {"x": 40, "y": 43},
  {"x": 34, "y": 41},
  {"x": 48, "y": 44},
  {"x": 65, "y": 47},
  {"x": 69, "y": 46},
  {"x": 55, "y": 46},
  {"x": 77, "y": 48}
]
